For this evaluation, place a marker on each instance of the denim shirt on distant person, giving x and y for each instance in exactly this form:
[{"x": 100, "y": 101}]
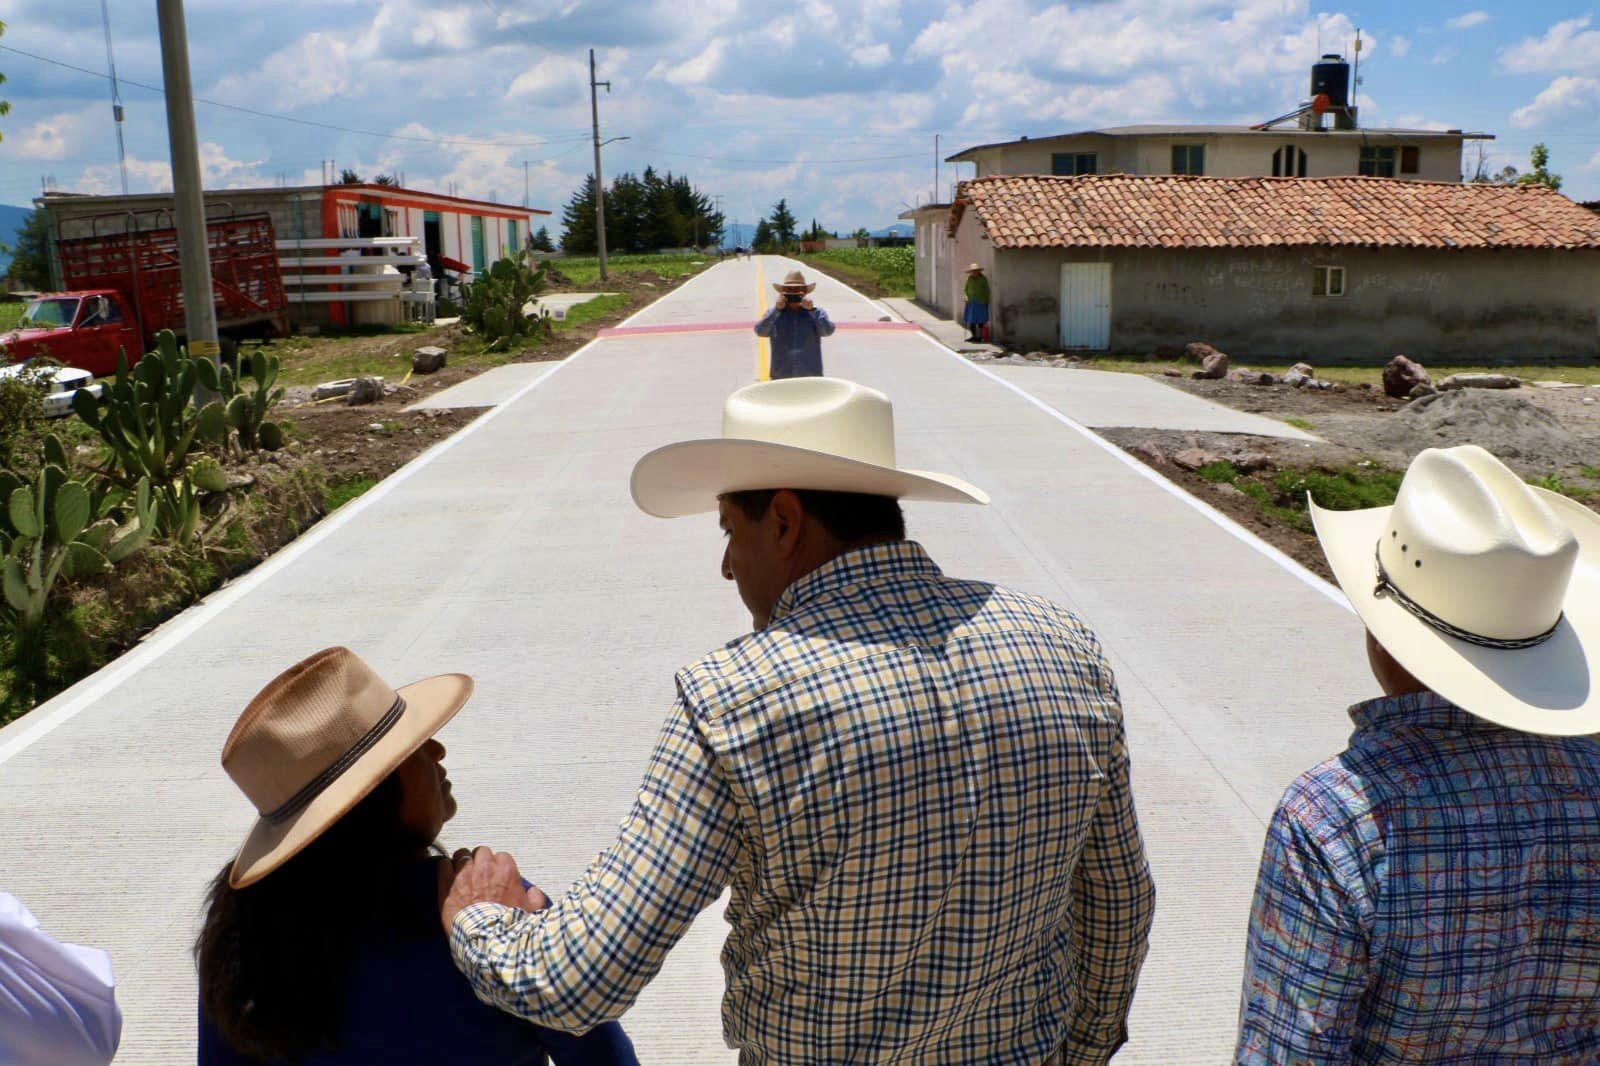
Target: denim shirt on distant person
[{"x": 796, "y": 341}]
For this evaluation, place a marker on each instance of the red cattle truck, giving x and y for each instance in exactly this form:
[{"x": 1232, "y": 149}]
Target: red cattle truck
[{"x": 124, "y": 288}]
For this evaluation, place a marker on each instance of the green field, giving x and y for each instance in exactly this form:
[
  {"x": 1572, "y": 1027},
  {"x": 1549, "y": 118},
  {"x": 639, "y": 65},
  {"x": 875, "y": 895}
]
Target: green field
[
  {"x": 585, "y": 270},
  {"x": 893, "y": 269}
]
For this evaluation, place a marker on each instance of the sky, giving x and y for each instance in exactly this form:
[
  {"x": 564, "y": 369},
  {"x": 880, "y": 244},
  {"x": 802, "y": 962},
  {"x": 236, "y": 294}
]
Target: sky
[{"x": 832, "y": 104}]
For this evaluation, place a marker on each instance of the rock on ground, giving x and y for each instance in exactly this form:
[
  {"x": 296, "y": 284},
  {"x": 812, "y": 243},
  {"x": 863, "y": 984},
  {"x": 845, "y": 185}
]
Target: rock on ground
[
  {"x": 1401, "y": 375},
  {"x": 428, "y": 359},
  {"x": 1480, "y": 381},
  {"x": 1213, "y": 364}
]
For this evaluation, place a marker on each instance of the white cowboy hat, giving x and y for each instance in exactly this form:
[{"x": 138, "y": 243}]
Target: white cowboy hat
[
  {"x": 794, "y": 281},
  {"x": 1485, "y": 589},
  {"x": 317, "y": 740},
  {"x": 825, "y": 434}
]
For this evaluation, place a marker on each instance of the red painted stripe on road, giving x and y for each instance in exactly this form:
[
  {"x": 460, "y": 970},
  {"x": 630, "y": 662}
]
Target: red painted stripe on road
[{"x": 728, "y": 327}]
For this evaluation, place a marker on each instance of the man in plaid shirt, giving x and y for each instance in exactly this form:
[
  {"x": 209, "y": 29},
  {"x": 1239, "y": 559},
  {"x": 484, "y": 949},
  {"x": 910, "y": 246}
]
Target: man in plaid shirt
[
  {"x": 915, "y": 787},
  {"x": 1432, "y": 894}
]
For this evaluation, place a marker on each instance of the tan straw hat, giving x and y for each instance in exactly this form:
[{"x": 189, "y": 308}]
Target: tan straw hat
[
  {"x": 794, "y": 281},
  {"x": 819, "y": 433},
  {"x": 974, "y": 269},
  {"x": 320, "y": 737},
  {"x": 1485, "y": 589}
]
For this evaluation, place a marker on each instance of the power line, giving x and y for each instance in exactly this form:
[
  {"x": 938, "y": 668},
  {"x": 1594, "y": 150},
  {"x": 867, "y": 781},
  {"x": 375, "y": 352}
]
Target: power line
[
  {"x": 306, "y": 121},
  {"x": 787, "y": 162}
]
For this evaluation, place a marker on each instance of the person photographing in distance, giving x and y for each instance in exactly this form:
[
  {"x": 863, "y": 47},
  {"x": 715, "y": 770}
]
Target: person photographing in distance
[{"x": 796, "y": 326}]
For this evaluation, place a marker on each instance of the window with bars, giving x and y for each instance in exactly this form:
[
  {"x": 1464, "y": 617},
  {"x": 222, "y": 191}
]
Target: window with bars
[
  {"x": 1188, "y": 159},
  {"x": 1327, "y": 281},
  {"x": 1376, "y": 162},
  {"x": 1067, "y": 164},
  {"x": 1289, "y": 162}
]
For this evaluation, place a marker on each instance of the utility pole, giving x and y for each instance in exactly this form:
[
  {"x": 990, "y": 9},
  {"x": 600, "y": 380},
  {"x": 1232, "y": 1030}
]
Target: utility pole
[
  {"x": 194, "y": 260},
  {"x": 116, "y": 97},
  {"x": 524, "y": 183},
  {"x": 599, "y": 182},
  {"x": 935, "y": 169}
]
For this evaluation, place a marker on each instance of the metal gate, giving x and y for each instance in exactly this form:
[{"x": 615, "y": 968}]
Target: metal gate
[{"x": 1086, "y": 305}]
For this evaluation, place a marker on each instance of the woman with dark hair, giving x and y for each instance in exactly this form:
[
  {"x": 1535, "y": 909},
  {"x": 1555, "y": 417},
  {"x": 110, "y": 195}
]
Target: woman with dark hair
[{"x": 322, "y": 941}]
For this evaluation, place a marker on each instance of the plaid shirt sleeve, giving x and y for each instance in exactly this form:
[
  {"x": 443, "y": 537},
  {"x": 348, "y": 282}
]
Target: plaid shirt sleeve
[
  {"x": 1306, "y": 954},
  {"x": 584, "y": 960},
  {"x": 1113, "y": 902}
]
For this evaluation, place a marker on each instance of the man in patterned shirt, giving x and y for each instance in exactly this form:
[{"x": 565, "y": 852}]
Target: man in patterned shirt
[
  {"x": 1432, "y": 894},
  {"x": 916, "y": 788}
]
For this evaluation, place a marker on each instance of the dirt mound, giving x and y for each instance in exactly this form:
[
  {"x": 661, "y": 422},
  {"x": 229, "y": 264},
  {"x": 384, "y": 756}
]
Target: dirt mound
[{"x": 1511, "y": 426}]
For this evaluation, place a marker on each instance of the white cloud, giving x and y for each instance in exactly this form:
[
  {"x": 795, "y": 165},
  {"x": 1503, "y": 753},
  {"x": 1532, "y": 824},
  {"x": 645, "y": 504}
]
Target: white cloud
[
  {"x": 701, "y": 68},
  {"x": 50, "y": 138},
  {"x": 1468, "y": 20},
  {"x": 1566, "y": 95},
  {"x": 1443, "y": 56},
  {"x": 1568, "y": 45},
  {"x": 872, "y": 55},
  {"x": 315, "y": 68},
  {"x": 550, "y": 80},
  {"x": 1399, "y": 46}
]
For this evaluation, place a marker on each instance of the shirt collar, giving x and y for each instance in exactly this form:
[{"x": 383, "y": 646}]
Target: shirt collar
[
  {"x": 1414, "y": 710},
  {"x": 872, "y": 564}
]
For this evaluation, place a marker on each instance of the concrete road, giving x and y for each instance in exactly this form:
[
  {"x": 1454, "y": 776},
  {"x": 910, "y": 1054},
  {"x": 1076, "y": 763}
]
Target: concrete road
[{"x": 512, "y": 552}]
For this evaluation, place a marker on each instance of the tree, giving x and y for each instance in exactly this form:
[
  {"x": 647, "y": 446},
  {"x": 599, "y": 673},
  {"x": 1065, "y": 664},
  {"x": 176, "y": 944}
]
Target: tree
[
  {"x": 30, "y": 256},
  {"x": 577, "y": 221},
  {"x": 541, "y": 242},
  {"x": 349, "y": 177},
  {"x": 763, "y": 240},
  {"x": 1539, "y": 169},
  {"x": 783, "y": 232},
  {"x": 386, "y": 179}
]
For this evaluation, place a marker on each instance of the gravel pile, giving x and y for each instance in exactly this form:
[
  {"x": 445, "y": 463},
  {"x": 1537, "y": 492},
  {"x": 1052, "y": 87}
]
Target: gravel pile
[{"x": 1506, "y": 424}]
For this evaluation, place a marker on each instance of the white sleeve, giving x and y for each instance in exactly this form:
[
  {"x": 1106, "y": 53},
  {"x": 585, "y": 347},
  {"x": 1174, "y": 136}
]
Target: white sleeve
[{"x": 57, "y": 1001}]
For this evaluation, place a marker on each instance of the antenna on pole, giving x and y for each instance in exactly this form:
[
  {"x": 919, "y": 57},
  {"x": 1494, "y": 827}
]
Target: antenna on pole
[{"x": 116, "y": 96}]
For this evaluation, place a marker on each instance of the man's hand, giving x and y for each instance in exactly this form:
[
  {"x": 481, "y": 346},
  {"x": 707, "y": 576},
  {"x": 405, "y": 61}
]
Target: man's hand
[
  {"x": 484, "y": 876},
  {"x": 783, "y": 301},
  {"x": 807, "y": 305}
]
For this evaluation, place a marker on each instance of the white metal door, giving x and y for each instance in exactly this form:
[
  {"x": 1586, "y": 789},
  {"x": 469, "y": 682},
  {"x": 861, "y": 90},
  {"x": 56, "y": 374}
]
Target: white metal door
[{"x": 1086, "y": 305}]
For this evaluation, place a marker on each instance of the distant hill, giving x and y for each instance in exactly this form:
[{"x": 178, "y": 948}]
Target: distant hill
[
  {"x": 11, "y": 220},
  {"x": 899, "y": 229}
]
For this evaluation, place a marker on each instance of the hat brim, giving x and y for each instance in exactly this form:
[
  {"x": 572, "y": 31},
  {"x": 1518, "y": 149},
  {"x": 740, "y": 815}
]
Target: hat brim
[
  {"x": 430, "y": 703},
  {"x": 1551, "y": 688},
  {"x": 786, "y": 288},
  {"x": 686, "y": 478}
]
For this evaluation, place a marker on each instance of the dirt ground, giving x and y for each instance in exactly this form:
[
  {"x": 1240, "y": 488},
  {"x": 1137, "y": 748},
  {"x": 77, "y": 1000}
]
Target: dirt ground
[{"x": 1541, "y": 433}]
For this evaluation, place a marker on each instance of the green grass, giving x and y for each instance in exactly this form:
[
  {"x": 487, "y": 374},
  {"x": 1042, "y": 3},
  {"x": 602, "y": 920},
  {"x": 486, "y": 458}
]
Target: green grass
[
  {"x": 1299, "y": 423},
  {"x": 11, "y": 314},
  {"x": 1591, "y": 472},
  {"x": 893, "y": 269},
  {"x": 1283, "y": 496},
  {"x": 589, "y": 310},
  {"x": 585, "y": 270},
  {"x": 342, "y": 492},
  {"x": 1555, "y": 484}
]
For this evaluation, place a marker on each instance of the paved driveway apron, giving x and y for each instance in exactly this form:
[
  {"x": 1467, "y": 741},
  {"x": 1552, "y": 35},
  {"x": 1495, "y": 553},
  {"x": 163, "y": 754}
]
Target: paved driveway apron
[{"x": 513, "y": 553}]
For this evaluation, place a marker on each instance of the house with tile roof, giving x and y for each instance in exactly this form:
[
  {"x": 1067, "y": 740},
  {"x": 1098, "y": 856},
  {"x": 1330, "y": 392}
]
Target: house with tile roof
[{"x": 1338, "y": 269}]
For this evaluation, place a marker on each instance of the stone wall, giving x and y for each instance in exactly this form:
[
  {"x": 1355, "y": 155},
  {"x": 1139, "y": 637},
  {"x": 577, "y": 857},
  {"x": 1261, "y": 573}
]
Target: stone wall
[{"x": 1470, "y": 305}]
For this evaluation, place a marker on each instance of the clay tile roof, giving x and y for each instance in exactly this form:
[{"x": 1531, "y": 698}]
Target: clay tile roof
[{"x": 1175, "y": 211}]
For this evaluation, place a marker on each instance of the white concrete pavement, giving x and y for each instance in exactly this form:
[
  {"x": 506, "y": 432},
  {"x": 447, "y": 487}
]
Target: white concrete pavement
[
  {"x": 1104, "y": 399},
  {"x": 512, "y": 552}
]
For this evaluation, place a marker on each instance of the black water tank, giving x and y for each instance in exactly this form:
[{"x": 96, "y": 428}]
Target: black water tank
[{"x": 1331, "y": 75}]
